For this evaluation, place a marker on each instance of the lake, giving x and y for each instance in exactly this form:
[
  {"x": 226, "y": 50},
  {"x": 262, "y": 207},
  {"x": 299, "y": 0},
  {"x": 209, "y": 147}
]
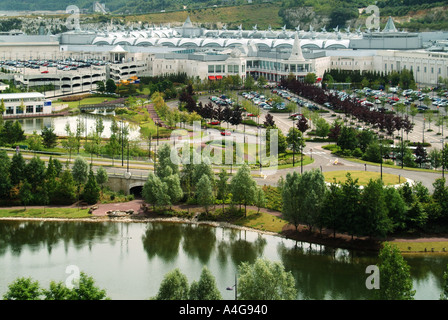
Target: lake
[
  {"x": 29, "y": 125},
  {"x": 129, "y": 260}
]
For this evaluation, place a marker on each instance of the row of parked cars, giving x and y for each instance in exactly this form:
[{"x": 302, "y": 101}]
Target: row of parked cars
[
  {"x": 260, "y": 100},
  {"x": 63, "y": 65},
  {"x": 302, "y": 103},
  {"x": 222, "y": 100}
]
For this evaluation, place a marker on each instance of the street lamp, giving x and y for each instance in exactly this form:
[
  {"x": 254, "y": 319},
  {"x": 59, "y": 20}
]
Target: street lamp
[
  {"x": 293, "y": 144},
  {"x": 301, "y": 154},
  {"x": 381, "y": 161},
  {"x": 122, "y": 144},
  {"x": 234, "y": 286}
]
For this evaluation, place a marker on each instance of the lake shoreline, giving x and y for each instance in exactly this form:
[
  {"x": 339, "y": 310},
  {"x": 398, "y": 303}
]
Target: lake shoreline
[
  {"x": 302, "y": 236},
  {"x": 324, "y": 237}
]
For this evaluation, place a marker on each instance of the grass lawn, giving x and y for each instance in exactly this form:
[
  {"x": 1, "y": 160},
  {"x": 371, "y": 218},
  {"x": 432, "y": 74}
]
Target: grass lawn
[
  {"x": 92, "y": 100},
  {"x": 387, "y": 165},
  {"x": 363, "y": 177},
  {"x": 69, "y": 213},
  {"x": 261, "y": 221},
  {"x": 419, "y": 247}
]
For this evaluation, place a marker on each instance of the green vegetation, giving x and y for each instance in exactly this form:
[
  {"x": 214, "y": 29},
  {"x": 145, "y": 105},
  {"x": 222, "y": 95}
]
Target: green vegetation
[
  {"x": 63, "y": 213},
  {"x": 261, "y": 280},
  {"x": 396, "y": 281},
  {"x": 362, "y": 177},
  {"x": 84, "y": 288}
]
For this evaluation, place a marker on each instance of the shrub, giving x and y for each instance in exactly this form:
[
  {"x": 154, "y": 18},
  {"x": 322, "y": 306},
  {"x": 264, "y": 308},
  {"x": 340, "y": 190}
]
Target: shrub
[{"x": 357, "y": 153}]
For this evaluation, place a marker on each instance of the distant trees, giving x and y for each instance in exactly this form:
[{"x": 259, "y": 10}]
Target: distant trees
[{"x": 49, "y": 138}]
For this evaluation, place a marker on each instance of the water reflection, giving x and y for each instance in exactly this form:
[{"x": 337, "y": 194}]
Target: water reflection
[
  {"x": 113, "y": 254},
  {"x": 162, "y": 240},
  {"x": 35, "y": 235},
  {"x": 326, "y": 273},
  {"x": 29, "y": 125}
]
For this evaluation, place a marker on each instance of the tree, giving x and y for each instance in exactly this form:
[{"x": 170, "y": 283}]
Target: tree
[
  {"x": 56, "y": 291},
  {"x": 70, "y": 143},
  {"x": 435, "y": 157},
  {"x": 347, "y": 139},
  {"x": 11, "y": 132},
  {"x": 396, "y": 281},
  {"x": 265, "y": 280},
  {"x": 205, "y": 288},
  {"x": 313, "y": 191},
  {"x": 351, "y": 193},
  {"x": 111, "y": 87},
  {"x": 25, "y": 194},
  {"x": 322, "y": 127},
  {"x": 174, "y": 286},
  {"x": 204, "y": 192},
  {"x": 420, "y": 154},
  {"x": 65, "y": 192},
  {"x": 397, "y": 208},
  {"x": 23, "y": 289},
  {"x": 222, "y": 186},
  {"x": 295, "y": 140},
  {"x": 86, "y": 289},
  {"x": 291, "y": 198},
  {"x": 35, "y": 142},
  {"x": 375, "y": 221},
  {"x": 80, "y": 129},
  {"x": 260, "y": 200},
  {"x": 155, "y": 191},
  {"x": 242, "y": 187},
  {"x": 165, "y": 161},
  {"x": 91, "y": 189},
  {"x": 101, "y": 177},
  {"x": 333, "y": 208},
  {"x": 5, "y": 176},
  {"x": 310, "y": 78},
  {"x": 49, "y": 138},
  {"x": 80, "y": 172},
  {"x": 17, "y": 169},
  {"x": 373, "y": 152},
  {"x": 174, "y": 189},
  {"x": 269, "y": 122},
  {"x": 100, "y": 87},
  {"x": 35, "y": 173}
]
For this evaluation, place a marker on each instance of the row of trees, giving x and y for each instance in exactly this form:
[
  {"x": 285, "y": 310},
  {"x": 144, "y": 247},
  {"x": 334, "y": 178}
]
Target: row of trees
[
  {"x": 383, "y": 121},
  {"x": 374, "y": 211},
  {"x": 38, "y": 184},
  {"x": 373, "y": 79},
  {"x": 196, "y": 182}
]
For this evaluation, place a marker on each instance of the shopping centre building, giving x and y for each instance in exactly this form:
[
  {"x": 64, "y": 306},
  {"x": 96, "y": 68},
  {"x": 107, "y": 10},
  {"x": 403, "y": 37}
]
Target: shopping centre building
[{"x": 213, "y": 54}]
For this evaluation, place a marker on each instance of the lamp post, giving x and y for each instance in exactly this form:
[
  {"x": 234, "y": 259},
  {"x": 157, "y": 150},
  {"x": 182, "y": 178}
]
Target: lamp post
[
  {"x": 293, "y": 144},
  {"x": 122, "y": 144},
  {"x": 301, "y": 155},
  {"x": 234, "y": 286},
  {"x": 381, "y": 162}
]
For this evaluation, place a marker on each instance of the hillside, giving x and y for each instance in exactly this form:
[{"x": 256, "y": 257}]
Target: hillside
[{"x": 412, "y": 15}]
